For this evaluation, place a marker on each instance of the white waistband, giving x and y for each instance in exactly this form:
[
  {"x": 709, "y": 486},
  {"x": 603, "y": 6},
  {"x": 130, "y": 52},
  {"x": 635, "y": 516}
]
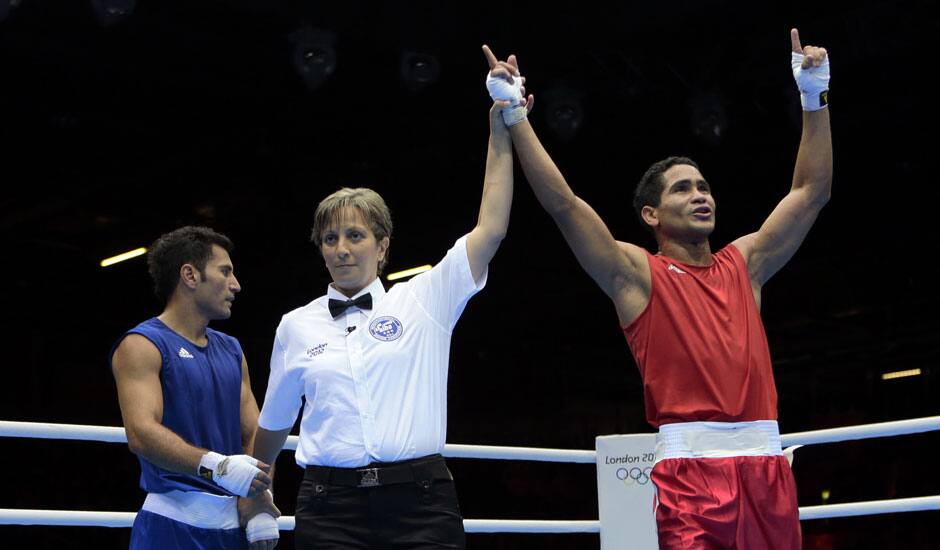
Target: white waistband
[
  {"x": 718, "y": 439},
  {"x": 197, "y": 509}
]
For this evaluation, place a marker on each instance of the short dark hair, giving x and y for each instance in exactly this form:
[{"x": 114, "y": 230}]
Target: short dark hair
[
  {"x": 650, "y": 189},
  {"x": 186, "y": 245}
]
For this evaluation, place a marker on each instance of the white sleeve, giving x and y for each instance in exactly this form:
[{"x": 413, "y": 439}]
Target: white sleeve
[
  {"x": 443, "y": 291},
  {"x": 282, "y": 399}
]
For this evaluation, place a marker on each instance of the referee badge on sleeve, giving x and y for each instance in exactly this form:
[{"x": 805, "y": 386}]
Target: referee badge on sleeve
[{"x": 386, "y": 328}]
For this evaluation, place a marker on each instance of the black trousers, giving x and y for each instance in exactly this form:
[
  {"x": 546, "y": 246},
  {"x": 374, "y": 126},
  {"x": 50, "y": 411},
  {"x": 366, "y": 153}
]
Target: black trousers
[{"x": 401, "y": 505}]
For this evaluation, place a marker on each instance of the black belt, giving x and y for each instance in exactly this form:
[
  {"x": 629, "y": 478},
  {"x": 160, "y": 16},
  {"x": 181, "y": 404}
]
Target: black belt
[{"x": 382, "y": 473}]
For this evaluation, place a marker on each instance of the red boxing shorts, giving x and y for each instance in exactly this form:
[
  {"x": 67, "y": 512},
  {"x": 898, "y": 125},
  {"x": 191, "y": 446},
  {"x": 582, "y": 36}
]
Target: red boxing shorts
[
  {"x": 740, "y": 502},
  {"x": 724, "y": 485}
]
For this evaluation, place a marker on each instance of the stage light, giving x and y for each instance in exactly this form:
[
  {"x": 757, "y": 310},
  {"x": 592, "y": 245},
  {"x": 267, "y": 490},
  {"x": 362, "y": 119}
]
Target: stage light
[
  {"x": 900, "y": 374},
  {"x": 125, "y": 256},
  {"x": 707, "y": 118},
  {"x": 564, "y": 112},
  {"x": 419, "y": 70},
  {"x": 6, "y": 6},
  {"x": 407, "y": 273},
  {"x": 111, "y": 12},
  {"x": 314, "y": 55}
]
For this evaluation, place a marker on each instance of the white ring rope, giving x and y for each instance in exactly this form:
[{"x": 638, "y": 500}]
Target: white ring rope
[
  {"x": 43, "y": 430},
  {"x": 917, "y": 504},
  {"x": 126, "y": 519},
  {"x": 866, "y": 431},
  {"x": 455, "y": 450},
  {"x": 529, "y": 526},
  {"x": 519, "y": 453},
  {"x": 69, "y": 518},
  {"x": 107, "y": 434},
  {"x": 286, "y": 523}
]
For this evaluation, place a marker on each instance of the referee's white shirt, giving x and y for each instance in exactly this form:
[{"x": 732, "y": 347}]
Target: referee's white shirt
[{"x": 376, "y": 392}]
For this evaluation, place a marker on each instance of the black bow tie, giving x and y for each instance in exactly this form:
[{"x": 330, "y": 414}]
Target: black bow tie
[{"x": 339, "y": 306}]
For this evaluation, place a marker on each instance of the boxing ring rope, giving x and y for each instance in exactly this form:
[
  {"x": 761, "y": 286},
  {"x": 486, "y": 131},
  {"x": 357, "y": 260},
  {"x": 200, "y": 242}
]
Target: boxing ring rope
[
  {"x": 69, "y": 518},
  {"x": 106, "y": 434},
  {"x": 864, "y": 431},
  {"x": 37, "y": 430}
]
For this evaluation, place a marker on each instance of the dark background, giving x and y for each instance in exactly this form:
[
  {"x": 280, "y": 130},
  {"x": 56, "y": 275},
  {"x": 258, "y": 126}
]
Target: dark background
[{"x": 193, "y": 112}]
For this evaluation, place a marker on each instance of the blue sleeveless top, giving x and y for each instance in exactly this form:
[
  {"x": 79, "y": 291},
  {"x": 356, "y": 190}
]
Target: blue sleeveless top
[{"x": 201, "y": 400}]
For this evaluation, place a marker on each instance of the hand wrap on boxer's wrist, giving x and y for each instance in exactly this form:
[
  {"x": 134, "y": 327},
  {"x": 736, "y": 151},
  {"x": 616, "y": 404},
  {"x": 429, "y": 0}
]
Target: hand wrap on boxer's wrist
[
  {"x": 501, "y": 90},
  {"x": 813, "y": 82},
  {"x": 262, "y": 527},
  {"x": 232, "y": 473},
  {"x": 514, "y": 114}
]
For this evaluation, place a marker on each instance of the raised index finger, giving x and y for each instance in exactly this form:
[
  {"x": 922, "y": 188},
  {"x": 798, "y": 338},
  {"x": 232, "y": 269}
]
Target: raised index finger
[
  {"x": 795, "y": 41},
  {"x": 490, "y": 58}
]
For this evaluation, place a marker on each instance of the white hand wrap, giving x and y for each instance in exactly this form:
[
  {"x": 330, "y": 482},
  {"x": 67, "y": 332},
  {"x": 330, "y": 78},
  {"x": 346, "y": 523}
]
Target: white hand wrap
[
  {"x": 812, "y": 82},
  {"x": 500, "y": 90},
  {"x": 514, "y": 115},
  {"x": 262, "y": 527},
  {"x": 232, "y": 473}
]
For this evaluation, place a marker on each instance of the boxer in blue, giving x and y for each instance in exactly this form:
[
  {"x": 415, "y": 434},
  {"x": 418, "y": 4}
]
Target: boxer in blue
[{"x": 186, "y": 400}]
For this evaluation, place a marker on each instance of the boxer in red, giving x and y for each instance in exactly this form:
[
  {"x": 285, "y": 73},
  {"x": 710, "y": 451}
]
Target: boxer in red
[{"x": 692, "y": 320}]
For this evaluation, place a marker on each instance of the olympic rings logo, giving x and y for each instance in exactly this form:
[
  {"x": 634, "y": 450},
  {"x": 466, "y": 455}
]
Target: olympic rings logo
[{"x": 634, "y": 476}]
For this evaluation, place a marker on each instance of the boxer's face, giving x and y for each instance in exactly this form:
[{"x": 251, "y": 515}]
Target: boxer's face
[
  {"x": 216, "y": 285},
  {"x": 686, "y": 208}
]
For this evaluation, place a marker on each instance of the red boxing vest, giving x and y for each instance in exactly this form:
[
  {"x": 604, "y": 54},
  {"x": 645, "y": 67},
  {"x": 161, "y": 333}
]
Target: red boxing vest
[{"x": 700, "y": 344}]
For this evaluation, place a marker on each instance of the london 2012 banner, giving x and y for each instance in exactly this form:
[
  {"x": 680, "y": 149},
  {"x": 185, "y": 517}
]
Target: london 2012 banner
[{"x": 625, "y": 492}]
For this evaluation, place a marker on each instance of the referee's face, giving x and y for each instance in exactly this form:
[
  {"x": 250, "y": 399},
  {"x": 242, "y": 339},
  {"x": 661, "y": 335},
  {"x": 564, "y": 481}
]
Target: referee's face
[{"x": 351, "y": 252}]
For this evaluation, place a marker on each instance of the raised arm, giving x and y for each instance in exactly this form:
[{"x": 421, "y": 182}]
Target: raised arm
[
  {"x": 493, "y": 219},
  {"x": 778, "y": 239},
  {"x": 136, "y": 365},
  {"x": 614, "y": 269}
]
